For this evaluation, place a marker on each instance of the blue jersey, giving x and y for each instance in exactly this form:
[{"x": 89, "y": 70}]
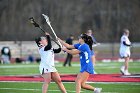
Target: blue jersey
[
  {"x": 85, "y": 58},
  {"x": 77, "y": 45}
]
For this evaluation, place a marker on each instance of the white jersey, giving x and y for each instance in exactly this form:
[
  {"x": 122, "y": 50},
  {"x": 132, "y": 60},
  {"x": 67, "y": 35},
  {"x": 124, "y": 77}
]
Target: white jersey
[
  {"x": 47, "y": 57},
  {"x": 125, "y": 50},
  {"x": 47, "y": 61}
]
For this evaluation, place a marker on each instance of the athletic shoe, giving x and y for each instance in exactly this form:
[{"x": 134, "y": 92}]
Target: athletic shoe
[
  {"x": 126, "y": 72},
  {"x": 122, "y": 70},
  {"x": 97, "y": 90}
]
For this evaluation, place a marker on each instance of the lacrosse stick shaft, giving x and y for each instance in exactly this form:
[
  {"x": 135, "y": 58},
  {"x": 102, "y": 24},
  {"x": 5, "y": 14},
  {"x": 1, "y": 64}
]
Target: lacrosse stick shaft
[
  {"x": 55, "y": 35},
  {"x": 53, "y": 31},
  {"x": 42, "y": 29},
  {"x": 48, "y": 22}
]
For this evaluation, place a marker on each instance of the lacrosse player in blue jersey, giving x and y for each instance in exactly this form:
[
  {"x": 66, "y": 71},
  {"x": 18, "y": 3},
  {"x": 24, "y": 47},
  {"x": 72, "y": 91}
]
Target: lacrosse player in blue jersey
[{"x": 83, "y": 48}]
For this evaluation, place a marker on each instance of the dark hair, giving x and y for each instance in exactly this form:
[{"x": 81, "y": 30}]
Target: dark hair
[
  {"x": 37, "y": 40},
  {"x": 88, "y": 40}
]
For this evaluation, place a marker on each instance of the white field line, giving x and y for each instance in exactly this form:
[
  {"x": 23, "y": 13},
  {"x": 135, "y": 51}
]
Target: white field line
[
  {"x": 126, "y": 83},
  {"x": 40, "y": 90},
  {"x": 60, "y": 65},
  {"x": 17, "y": 66},
  {"x": 24, "y": 89},
  {"x": 109, "y": 92},
  {"x": 57, "y": 65},
  {"x": 19, "y": 89},
  {"x": 34, "y": 66}
]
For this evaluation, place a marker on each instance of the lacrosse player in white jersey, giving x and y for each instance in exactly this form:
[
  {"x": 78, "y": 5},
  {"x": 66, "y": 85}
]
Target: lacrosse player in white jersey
[
  {"x": 47, "y": 67},
  {"x": 125, "y": 51}
]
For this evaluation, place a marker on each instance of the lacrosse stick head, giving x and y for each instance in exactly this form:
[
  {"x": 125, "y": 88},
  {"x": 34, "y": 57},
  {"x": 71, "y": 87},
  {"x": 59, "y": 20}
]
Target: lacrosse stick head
[
  {"x": 47, "y": 18},
  {"x": 31, "y": 19}
]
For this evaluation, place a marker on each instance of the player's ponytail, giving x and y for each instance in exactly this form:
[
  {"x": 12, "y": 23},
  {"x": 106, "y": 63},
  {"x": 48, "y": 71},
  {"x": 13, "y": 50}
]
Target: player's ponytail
[{"x": 88, "y": 40}]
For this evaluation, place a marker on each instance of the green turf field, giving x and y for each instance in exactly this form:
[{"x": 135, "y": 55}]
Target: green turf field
[{"x": 35, "y": 87}]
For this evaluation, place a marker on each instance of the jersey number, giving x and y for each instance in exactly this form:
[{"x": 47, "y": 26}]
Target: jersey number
[{"x": 86, "y": 56}]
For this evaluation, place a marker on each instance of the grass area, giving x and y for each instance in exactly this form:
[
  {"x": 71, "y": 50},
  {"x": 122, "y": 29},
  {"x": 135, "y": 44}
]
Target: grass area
[
  {"x": 35, "y": 87},
  {"x": 102, "y": 68}
]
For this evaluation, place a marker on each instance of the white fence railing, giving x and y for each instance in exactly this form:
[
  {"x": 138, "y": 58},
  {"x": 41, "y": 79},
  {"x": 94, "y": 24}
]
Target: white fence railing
[{"x": 105, "y": 50}]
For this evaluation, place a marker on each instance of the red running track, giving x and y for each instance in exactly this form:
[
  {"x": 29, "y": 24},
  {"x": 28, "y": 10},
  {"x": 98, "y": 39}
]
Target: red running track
[{"x": 71, "y": 78}]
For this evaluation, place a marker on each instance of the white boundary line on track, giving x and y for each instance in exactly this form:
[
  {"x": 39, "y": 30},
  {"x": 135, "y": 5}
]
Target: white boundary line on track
[
  {"x": 18, "y": 66},
  {"x": 32, "y": 89},
  {"x": 57, "y": 65},
  {"x": 27, "y": 66},
  {"x": 129, "y": 83},
  {"x": 40, "y": 90}
]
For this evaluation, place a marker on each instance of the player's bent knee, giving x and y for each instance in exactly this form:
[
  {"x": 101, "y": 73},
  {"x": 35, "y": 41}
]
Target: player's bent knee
[
  {"x": 83, "y": 85},
  {"x": 58, "y": 81},
  {"x": 77, "y": 81},
  {"x": 47, "y": 81}
]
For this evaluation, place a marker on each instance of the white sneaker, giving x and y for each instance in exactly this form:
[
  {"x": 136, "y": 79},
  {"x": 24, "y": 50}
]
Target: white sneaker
[
  {"x": 97, "y": 90},
  {"x": 126, "y": 72},
  {"x": 122, "y": 70}
]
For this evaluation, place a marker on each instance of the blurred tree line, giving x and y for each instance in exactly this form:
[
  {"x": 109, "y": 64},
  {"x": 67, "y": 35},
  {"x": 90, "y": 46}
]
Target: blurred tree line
[{"x": 106, "y": 18}]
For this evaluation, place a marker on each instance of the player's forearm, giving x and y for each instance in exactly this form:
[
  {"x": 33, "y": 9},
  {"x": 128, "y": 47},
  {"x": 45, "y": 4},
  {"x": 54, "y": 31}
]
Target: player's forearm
[
  {"x": 48, "y": 39},
  {"x": 70, "y": 52},
  {"x": 49, "y": 46},
  {"x": 73, "y": 51},
  {"x": 57, "y": 50},
  {"x": 65, "y": 44}
]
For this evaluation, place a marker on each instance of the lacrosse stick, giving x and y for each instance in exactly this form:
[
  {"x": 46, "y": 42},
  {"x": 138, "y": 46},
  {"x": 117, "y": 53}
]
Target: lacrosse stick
[
  {"x": 48, "y": 22},
  {"x": 37, "y": 25}
]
